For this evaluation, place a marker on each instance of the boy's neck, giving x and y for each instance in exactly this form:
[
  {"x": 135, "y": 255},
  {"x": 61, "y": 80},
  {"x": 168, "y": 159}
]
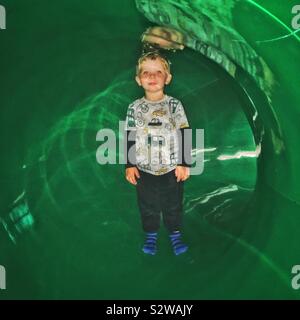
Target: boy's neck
[{"x": 154, "y": 96}]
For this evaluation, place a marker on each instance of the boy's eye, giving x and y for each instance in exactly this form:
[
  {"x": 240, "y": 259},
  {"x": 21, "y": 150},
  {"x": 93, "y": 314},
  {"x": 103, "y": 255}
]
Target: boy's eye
[{"x": 159, "y": 73}]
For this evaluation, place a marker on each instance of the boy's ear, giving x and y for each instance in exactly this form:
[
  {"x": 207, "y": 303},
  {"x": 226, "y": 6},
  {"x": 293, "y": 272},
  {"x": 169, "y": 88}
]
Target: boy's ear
[
  {"x": 168, "y": 79},
  {"x": 137, "y": 79}
]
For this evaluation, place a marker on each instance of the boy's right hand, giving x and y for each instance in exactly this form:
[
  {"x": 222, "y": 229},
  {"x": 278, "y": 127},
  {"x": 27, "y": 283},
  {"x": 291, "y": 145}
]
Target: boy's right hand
[{"x": 131, "y": 175}]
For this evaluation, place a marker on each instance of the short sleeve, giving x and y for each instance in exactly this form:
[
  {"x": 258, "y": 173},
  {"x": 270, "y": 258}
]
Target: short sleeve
[
  {"x": 179, "y": 117},
  {"x": 130, "y": 118}
]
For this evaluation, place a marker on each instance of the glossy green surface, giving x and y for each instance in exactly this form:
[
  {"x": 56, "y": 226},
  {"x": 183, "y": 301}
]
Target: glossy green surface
[{"x": 70, "y": 227}]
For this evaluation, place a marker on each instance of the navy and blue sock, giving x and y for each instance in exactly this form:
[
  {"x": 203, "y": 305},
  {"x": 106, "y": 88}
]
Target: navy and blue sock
[
  {"x": 177, "y": 244},
  {"x": 150, "y": 243}
]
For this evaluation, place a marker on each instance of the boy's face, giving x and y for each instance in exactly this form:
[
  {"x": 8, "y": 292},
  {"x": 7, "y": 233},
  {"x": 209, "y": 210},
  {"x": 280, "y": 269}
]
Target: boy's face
[{"x": 153, "y": 76}]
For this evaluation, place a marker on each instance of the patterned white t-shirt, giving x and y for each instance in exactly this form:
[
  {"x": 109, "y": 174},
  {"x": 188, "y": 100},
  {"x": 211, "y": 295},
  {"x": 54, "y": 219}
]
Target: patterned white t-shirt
[{"x": 156, "y": 124}]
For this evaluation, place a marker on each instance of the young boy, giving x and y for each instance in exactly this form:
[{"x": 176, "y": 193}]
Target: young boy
[{"x": 156, "y": 161}]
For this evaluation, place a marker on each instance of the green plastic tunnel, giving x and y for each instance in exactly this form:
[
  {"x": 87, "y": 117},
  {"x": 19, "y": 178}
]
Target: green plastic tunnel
[{"x": 70, "y": 227}]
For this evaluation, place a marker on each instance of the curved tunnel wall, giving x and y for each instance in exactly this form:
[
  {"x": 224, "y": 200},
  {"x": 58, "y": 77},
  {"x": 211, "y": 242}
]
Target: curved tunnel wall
[
  {"x": 76, "y": 61},
  {"x": 216, "y": 29}
]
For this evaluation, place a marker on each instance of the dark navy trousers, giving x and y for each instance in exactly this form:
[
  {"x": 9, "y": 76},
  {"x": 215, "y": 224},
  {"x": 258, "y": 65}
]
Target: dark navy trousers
[{"x": 160, "y": 194}]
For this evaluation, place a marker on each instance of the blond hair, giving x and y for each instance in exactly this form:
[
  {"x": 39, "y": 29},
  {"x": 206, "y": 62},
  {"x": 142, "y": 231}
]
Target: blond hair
[{"x": 153, "y": 56}]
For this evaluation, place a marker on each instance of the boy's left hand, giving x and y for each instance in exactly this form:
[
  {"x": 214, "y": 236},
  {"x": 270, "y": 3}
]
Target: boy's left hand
[{"x": 182, "y": 173}]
